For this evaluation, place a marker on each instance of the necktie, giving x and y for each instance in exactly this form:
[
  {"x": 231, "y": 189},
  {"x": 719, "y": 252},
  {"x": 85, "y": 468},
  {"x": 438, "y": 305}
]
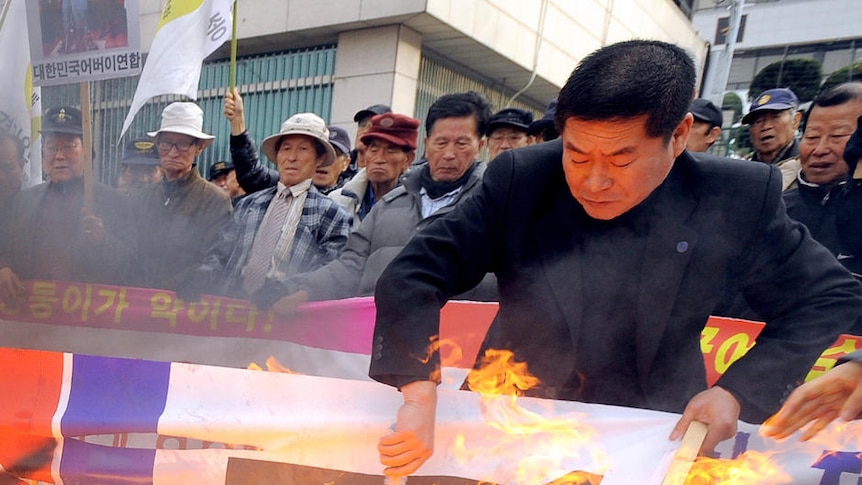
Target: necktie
[{"x": 263, "y": 248}]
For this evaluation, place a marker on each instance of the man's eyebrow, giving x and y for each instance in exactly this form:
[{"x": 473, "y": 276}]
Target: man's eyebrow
[{"x": 622, "y": 151}]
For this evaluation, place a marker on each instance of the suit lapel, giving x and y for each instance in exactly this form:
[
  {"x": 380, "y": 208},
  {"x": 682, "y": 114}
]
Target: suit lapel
[{"x": 667, "y": 253}]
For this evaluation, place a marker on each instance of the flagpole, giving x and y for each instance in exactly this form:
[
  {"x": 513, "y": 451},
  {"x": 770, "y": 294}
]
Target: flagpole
[
  {"x": 233, "y": 50},
  {"x": 86, "y": 125}
]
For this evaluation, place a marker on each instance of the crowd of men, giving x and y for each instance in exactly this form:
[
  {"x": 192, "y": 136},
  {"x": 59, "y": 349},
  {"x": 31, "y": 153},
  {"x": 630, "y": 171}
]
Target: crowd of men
[{"x": 619, "y": 228}]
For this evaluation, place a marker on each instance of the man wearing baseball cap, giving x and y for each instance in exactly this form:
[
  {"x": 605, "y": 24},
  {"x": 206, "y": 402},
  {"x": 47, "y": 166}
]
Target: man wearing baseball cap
[
  {"x": 330, "y": 178},
  {"x": 279, "y": 231},
  {"x": 140, "y": 166},
  {"x": 508, "y": 129},
  {"x": 178, "y": 218},
  {"x": 56, "y": 236},
  {"x": 363, "y": 123},
  {"x": 390, "y": 148},
  {"x": 222, "y": 174},
  {"x": 707, "y": 125},
  {"x": 773, "y": 121},
  {"x": 543, "y": 129}
]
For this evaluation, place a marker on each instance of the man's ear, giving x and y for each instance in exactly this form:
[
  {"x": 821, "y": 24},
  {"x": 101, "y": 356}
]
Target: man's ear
[
  {"x": 679, "y": 138},
  {"x": 713, "y": 135},
  {"x": 797, "y": 119}
]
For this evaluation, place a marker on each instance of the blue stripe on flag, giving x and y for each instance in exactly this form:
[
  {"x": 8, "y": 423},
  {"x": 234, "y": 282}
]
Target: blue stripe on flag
[
  {"x": 110, "y": 395},
  {"x": 86, "y": 463}
]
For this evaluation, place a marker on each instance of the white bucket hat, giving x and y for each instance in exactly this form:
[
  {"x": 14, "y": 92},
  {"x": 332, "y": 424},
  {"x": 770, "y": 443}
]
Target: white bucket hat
[
  {"x": 308, "y": 124},
  {"x": 184, "y": 118}
]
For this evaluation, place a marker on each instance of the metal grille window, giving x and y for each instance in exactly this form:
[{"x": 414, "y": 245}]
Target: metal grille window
[{"x": 273, "y": 86}]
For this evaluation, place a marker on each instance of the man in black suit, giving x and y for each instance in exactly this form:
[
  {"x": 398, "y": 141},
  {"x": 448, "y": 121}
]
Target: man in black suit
[{"x": 611, "y": 248}]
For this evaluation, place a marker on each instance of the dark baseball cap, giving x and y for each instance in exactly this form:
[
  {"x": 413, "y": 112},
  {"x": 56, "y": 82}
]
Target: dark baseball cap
[
  {"x": 64, "y": 120},
  {"x": 397, "y": 129},
  {"x": 140, "y": 151},
  {"x": 547, "y": 120},
  {"x": 704, "y": 110},
  {"x": 219, "y": 168},
  {"x": 374, "y": 109},
  {"x": 339, "y": 139},
  {"x": 778, "y": 99},
  {"x": 513, "y": 117}
]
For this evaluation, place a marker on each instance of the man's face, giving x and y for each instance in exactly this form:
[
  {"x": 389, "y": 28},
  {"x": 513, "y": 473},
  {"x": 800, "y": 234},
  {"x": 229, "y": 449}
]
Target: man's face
[
  {"x": 702, "y": 136},
  {"x": 177, "y": 153},
  {"x": 772, "y": 130},
  {"x": 11, "y": 167},
  {"x": 505, "y": 138},
  {"x": 362, "y": 126},
  {"x": 62, "y": 157},
  {"x": 232, "y": 184},
  {"x": 385, "y": 161},
  {"x": 612, "y": 166},
  {"x": 134, "y": 176},
  {"x": 452, "y": 147},
  {"x": 821, "y": 151},
  {"x": 328, "y": 176},
  {"x": 297, "y": 159}
]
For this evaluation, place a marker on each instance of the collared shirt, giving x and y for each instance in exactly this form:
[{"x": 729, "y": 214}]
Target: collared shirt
[{"x": 430, "y": 206}]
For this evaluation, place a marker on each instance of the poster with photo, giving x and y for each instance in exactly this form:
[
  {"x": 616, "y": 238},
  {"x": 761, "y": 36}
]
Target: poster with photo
[{"x": 73, "y": 41}]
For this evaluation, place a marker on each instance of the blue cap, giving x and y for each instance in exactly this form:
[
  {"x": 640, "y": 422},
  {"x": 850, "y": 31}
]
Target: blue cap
[{"x": 778, "y": 99}]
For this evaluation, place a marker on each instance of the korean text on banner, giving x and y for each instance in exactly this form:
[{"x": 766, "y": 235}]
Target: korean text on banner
[{"x": 189, "y": 31}]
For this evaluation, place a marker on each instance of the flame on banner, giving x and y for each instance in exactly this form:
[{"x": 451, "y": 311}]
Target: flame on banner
[
  {"x": 272, "y": 365},
  {"x": 547, "y": 443},
  {"x": 749, "y": 468}
]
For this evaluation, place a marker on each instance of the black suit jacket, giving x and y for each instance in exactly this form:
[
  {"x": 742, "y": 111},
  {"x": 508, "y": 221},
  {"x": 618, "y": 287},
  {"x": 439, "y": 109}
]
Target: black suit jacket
[{"x": 713, "y": 223}]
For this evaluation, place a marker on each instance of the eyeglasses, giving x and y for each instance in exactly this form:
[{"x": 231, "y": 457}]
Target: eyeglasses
[
  {"x": 52, "y": 149},
  {"x": 165, "y": 146}
]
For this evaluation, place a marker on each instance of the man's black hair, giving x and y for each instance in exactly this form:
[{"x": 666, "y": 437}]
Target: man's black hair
[
  {"x": 838, "y": 95},
  {"x": 19, "y": 143},
  {"x": 458, "y": 105},
  {"x": 630, "y": 79}
]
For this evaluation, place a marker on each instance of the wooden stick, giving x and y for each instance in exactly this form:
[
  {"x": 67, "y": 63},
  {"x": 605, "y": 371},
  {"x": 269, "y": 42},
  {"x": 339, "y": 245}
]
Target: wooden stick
[
  {"x": 86, "y": 125},
  {"x": 233, "y": 41},
  {"x": 686, "y": 454}
]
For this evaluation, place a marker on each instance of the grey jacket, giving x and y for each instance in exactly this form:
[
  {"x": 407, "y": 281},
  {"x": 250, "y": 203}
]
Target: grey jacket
[{"x": 379, "y": 238}]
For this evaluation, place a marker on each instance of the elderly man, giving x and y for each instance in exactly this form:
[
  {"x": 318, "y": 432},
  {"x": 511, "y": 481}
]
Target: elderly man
[
  {"x": 280, "y": 231},
  {"x": 180, "y": 217},
  {"x": 773, "y": 121},
  {"x": 508, "y": 129},
  {"x": 383, "y": 167},
  {"x": 140, "y": 166},
  {"x": 223, "y": 175},
  {"x": 329, "y": 178},
  {"x": 56, "y": 236},
  {"x": 706, "y": 128},
  {"x": 543, "y": 129},
  {"x": 611, "y": 249},
  {"x": 820, "y": 182},
  {"x": 454, "y": 124}
]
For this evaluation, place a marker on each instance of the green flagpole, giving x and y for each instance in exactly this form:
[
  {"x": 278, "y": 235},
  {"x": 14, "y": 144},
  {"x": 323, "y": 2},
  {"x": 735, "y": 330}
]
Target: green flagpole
[{"x": 233, "y": 50}]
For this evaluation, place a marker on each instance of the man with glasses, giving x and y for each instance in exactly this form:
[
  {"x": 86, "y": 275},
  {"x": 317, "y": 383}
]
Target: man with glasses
[
  {"x": 508, "y": 129},
  {"x": 180, "y": 217},
  {"x": 53, "y": 234}
]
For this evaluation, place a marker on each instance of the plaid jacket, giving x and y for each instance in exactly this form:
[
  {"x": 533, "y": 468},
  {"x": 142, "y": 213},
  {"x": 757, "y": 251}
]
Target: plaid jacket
[{"x": 320, "y": 237}]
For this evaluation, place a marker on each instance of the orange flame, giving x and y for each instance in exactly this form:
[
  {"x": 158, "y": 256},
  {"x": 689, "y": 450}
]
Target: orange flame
[
  {"x": 272, "y": 365},
  {"x": 546, "y": 443},
  {"x": 749, "y": 468}
]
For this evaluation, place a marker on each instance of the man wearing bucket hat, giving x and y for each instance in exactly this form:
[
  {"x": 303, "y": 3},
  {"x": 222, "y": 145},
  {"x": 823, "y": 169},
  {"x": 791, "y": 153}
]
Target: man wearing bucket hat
[
  {"x": 283, "y": 230},
  {"x": 178, "y": 218},
  {"x": 455, "y": 125},
  {"x": 54, "y": 238},
  {"x": 140, "y": 166},
  {"x": 394, "y": 138},
  {"x": 773, "y": 120}
]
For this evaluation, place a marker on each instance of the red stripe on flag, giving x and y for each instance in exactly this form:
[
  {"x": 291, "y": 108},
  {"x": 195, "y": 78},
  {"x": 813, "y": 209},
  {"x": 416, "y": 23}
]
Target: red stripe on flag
[{"x": 31, "y": 381}]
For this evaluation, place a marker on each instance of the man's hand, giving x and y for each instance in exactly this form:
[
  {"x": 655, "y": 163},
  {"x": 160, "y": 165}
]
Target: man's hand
[
  {"x": 93, "y": 229},
  {"x": 11, "y": 288},
  {"x": 717, "y": 409},
  {"x": 412, "y": 443},
  {"x": 286, "y": 306},
  {"x": 835, "y": 394},
  {"x": 234, "y": 112}
]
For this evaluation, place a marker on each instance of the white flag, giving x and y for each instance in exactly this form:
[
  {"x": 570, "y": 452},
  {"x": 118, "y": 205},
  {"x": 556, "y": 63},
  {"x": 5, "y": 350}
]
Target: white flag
[
  {"x": 20, "y": 102},
  {"x": 189, "y": 30}
]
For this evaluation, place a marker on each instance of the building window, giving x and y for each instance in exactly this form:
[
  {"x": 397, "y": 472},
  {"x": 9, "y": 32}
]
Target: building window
[{"x": 724, "y": 25}]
